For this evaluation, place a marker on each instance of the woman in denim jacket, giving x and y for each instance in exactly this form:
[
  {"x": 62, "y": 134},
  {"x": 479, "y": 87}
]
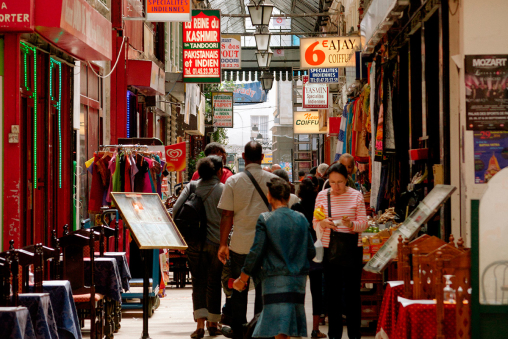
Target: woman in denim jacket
[{"x": 280, "y": 258}]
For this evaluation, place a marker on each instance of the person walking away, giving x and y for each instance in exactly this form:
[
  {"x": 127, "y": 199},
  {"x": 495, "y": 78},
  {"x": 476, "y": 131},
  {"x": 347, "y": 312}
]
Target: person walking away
[
  {"x": 346, "y": 220},
  {"x": 205, "y": 267},
  {"x": 243, "y": 200},
  {"x": 280, "y": 257},
  {"x": 321, "y": 170},
  {"x": 307, "y": 193},
  {"x": 293, "y": 199},
  {"x": 214, "y": 148}
]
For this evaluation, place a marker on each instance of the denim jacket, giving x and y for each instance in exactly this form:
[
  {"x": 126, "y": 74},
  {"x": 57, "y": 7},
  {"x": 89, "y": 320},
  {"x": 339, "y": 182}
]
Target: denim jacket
[{"x": 282, "y": 246}]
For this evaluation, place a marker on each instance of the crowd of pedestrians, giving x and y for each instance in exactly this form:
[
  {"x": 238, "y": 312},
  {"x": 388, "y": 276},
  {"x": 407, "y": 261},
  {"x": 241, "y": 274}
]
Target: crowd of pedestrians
[{"x": 258, "y": 231}]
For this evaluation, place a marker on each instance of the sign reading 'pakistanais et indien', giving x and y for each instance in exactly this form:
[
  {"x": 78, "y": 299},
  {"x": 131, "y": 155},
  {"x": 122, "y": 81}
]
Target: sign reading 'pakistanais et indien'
[
  {"x": 201, "y": 47},
  {"x": 328, "y": 52}
]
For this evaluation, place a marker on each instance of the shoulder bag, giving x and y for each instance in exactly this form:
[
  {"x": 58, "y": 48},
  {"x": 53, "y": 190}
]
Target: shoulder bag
[{"x": 255, "y": 183}]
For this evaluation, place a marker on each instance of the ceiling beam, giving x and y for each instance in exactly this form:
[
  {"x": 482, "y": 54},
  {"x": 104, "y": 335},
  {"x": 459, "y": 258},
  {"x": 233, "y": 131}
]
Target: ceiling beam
[
  {"x": 284, "y": 33},
  {"x": 303, "y": 15}
]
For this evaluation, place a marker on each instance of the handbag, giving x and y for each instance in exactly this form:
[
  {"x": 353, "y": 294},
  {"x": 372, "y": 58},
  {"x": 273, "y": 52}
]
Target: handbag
[{"x": 343, "y": 249}]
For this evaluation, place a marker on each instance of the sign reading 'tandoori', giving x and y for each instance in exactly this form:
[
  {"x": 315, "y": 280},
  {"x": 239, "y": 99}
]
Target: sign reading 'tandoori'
[
  {"x": 201, "y": 47},
  {"x": 328, "y": 52}
]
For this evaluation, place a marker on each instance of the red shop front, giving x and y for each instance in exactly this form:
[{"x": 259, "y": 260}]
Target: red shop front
[{"x": 38, "y": 160}]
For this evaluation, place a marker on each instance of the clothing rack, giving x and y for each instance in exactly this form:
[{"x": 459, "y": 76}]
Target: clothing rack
[{"x": 136, "y": 147}]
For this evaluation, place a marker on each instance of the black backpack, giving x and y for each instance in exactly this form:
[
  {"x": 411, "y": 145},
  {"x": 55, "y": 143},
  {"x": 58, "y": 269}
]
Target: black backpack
[{"x": 191, "y": 217}]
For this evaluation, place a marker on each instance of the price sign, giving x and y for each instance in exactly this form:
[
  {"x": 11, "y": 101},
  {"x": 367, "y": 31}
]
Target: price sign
[{"x": 328, "y": 52}]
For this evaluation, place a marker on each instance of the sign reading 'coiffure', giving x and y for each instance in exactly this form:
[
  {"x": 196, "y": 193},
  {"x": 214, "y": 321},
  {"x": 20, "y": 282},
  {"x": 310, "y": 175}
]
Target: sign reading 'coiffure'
[
  {"x": 17, "y": 16},
  {"x": 306, "y": 122},
  {"x": 201, "y": 47},
  {"x": 328, "y": 52}
]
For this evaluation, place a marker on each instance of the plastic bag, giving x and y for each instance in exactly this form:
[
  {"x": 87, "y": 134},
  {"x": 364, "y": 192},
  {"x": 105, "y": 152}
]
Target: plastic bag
[{"x": 320, "y": 251}]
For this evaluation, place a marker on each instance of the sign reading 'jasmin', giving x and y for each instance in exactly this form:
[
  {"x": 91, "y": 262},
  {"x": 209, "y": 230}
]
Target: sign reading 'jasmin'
[
  {"x": 201, "y": 47},
  {"x": 222, "y": 105},
  {"x": 314, "y": 95}
]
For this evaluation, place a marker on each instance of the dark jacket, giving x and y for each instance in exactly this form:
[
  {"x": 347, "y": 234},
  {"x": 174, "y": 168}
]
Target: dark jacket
[{"x": 282, "y": 245}]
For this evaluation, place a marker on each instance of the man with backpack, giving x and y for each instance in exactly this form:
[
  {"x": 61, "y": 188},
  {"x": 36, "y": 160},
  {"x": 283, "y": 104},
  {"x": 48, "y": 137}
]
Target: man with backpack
[{"x": 243, "y": 200}]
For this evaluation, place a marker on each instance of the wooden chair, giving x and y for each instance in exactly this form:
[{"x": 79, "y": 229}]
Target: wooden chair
[
  {"x": 105, "y": 233},
  {"x": 89, "y": 304},
  {"x": 460, "y": 266},
  {"x": 42, "y": 254},
  {"x": 424, "y": 270}
]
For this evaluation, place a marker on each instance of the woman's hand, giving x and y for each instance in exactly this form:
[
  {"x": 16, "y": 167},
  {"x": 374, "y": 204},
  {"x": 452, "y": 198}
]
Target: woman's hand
[
  {"x": 326, "y": 223},
  {"x": 239, "y": 284},
  {"x": 347, "y": 222}
]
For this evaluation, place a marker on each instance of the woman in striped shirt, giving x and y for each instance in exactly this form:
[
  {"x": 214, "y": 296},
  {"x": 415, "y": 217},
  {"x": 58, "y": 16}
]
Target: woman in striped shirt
[{"x": 341, "y": 238}]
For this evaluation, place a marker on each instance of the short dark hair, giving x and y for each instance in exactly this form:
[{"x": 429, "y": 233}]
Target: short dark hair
[
  {"x": 282, "y": 174},
  {"x": 209, "y": 166},
  {"x": 214, "y": 148},
  {"x": 253, "y": 151},
  {"x": 279, "y": 189},
  {"x": 313, "y": 170},
  {"x": 308, "y": 189},
  {"x": 338, "y": 168},
  {"x": 301, "y": 173}
]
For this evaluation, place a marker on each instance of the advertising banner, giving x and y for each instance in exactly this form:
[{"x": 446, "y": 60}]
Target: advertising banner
[
  {"x": 486, "y": 92},
  {"x": 490, "y": 154},
  {"x": 201, "y": 47},
  {"x": 175, "y": 157},
  {"x": 306, "y": 122},
  {"x": 328, "y": 52},
  {"x": 231, "y": 51},
  {"x": 168, "y": 10},
  {"x": 288, "y": 167},
  {"x": 17, "y": 16},
  {"x": 314, "y": 95},
  {"x": 222, "y": 106},
  {"x": 251, "y": 92},
  {"x": 324, "y": 75}
]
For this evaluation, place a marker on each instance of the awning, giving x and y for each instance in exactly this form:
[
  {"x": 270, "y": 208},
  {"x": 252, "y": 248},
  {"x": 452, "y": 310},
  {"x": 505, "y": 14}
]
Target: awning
[
  {"x": 378, "y": 20},
  {"x": 75, "y": 27},
  {"x": 146, "y": 76}
]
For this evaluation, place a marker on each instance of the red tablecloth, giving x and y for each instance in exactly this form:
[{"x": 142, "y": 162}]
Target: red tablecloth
[
  {"x": 418, "y": 321},
  {"x": 389, "y": 311}
]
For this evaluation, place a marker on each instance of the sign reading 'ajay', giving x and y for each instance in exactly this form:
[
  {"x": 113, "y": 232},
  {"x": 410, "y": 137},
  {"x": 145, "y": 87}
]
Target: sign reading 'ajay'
[
  {"x": 328, "y": 52},
  {"x": 201, "y": 47}
]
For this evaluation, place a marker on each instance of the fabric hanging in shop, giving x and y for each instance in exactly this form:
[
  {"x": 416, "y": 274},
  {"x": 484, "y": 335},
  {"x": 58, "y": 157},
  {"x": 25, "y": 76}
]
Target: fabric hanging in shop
[
  {"x": 379, "y": 110},
  {"x": 376, "y": 166},
  {"x": 389, "y": 134}
]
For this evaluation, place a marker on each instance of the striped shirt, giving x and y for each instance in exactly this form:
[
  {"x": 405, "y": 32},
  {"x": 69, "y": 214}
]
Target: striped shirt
[{"x": 350, "y": 204}]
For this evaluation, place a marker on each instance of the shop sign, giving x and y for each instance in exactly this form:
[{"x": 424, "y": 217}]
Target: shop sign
[
  {"x": 279, "y": 52},
  {"x": 314, "y": 95},
  {"x": 324, "y": 75},
  {"x": 490, "y": 154},
  {"x": 222, "y": 105},
  {"x": 168, "y": 10},
  {"x": 249, "y": 92},
  {"x": 486, "y": 92},
  {"x": 231, "y": 51},
  {"x": 17, "y": 16},
  {"x": 328, "y": 52},
  {"x": 175, "y": 157},
  {"x": 306, "y": 122},
  {"x": 267, "y": 159},
  {"x": 201, "y": 47}
]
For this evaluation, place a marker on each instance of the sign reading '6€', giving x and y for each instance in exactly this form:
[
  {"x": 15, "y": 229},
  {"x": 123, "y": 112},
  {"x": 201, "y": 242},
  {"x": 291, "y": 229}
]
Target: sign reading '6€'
[{"x": 328, "y": 52}]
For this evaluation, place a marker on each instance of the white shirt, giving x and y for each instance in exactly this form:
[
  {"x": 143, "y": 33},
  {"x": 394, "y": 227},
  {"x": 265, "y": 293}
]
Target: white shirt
[
  {"x": 241, "y": 197},
  {"x": 293, "y": 199}
]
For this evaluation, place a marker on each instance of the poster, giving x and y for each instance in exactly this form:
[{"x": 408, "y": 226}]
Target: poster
[
  {"x": 314, "y": 95},
  {"x": 251, "y": 92},
  {"x": 288, "y": 167},
  {"x": 176, "y": 156},
  {"x": 222, "y": 106},
  {"x": 486, "y": 92},
  {"x": 231, "y": 52},
  {"x": 490, "y": 154},
  {"x": 201, "y": 47}
]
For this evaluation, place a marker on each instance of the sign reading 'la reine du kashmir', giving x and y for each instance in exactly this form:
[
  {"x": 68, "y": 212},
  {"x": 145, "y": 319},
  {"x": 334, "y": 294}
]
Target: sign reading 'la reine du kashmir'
[
  {"x": 201, "y": 47},
  {"x": 222, "y": 105}
]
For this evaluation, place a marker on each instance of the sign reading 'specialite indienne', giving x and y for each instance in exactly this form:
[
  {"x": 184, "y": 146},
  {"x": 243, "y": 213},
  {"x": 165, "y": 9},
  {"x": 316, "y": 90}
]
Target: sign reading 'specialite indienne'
[{"x": 201, "y": 47}]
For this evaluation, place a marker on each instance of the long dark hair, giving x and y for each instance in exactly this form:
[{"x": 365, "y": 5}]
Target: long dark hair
[{"x": 308, "y": 190}]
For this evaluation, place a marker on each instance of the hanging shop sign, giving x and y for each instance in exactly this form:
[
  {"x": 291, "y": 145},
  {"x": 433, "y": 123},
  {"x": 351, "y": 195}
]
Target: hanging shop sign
[
  {"x": 279, "y": 22},
  {"x": 250, "y": 92},
  {"x": 306, "y": 122},
  {"x": 17, "y": 16},
  {"x": 175, "y": 157},
  {"x": 486, "y": 92},
  {"x": 490, "y": 154},
  {"x": 324, "y": 75},
  {"x": 314, "y": 95},
  {"x": 267, "y": 159},
  {"x": 201, "y": 47},
  {"x": 328, "y": 52},
  {"x": 279, "y": 52},
  {"x": 231, "y": 52},
  {"x": 222, "y": 105},
  {"x": 168, "y": 10}
]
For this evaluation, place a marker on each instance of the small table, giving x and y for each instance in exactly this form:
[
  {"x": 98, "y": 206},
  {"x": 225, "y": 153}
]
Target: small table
[
  {"x": 123, "y": 267},
  {"x": 16, "y": 323},
  {"x": 41, "y": 313},
  {"x": 389, "y": 309}
]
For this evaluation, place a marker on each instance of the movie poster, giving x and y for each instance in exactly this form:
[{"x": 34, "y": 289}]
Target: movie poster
[
  {"x": 486, "y": 92},
  {"x": 490, "y": 154}
]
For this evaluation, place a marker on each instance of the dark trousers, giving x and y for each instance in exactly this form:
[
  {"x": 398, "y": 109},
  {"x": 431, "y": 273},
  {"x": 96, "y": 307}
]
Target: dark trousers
[
  {"x": 316, "y": 290},
  {"x": 239, "y": 299},
  {"x": 343, "y": 283},
  {"x": 206, "y": 270}
]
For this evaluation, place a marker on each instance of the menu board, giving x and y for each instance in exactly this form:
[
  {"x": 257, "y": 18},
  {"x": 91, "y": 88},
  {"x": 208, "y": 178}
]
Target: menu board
[
  {"x": 410, "y": 227},
  {"x": 149, "y": 222},
  {"x": 222, "y": 105}
]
